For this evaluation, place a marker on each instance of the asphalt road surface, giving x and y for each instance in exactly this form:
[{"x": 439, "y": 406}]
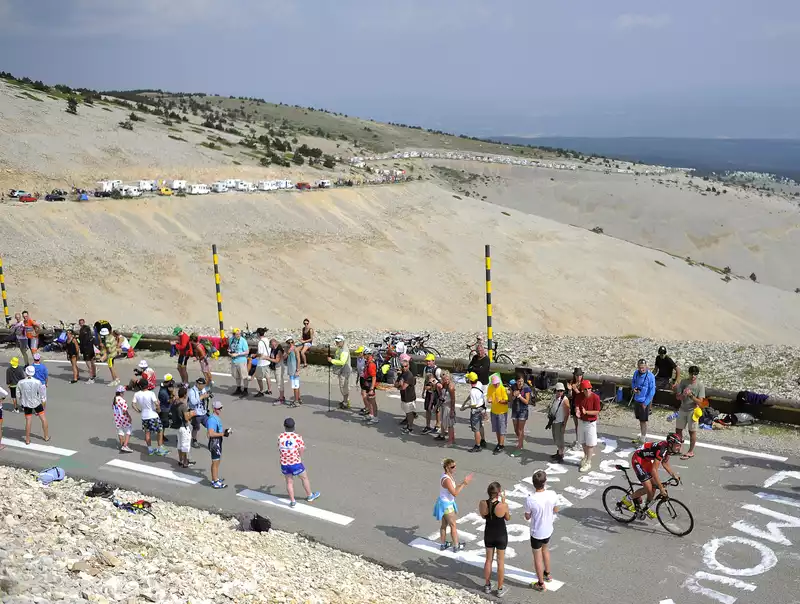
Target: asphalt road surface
[{"x": 378, "y": 488}]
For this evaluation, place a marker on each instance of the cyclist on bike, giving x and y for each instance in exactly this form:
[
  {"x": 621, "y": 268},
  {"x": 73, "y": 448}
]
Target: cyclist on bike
[{"x": 646, "y": 462}]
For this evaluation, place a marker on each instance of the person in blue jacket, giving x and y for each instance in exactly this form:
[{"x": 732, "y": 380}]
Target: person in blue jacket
[{"x": 643, "y": 384}]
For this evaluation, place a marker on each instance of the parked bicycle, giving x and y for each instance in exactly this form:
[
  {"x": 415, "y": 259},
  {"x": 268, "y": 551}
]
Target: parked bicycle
[
  {"x": 673, "y": 515},
  {"x": 418, "y": 345},
  {"x": 501, "y": 358}
]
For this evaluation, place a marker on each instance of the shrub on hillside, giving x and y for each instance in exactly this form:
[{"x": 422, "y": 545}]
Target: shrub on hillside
[
  {"x": 135, "y": 118},
  {"x": 329, "y": 162},
  {"x": 127, "y": 125},
  {"x": 72, "y": 105},
  {"x": 298, "y": 159}
]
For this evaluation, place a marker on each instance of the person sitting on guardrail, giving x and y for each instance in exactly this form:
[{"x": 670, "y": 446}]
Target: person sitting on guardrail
[
  {"x": 306, "y": 341},
  {"x": 479, "y": 364}
]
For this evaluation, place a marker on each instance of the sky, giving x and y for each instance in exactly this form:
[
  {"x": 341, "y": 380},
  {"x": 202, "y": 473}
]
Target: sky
[{"x": 715, "y": 68}]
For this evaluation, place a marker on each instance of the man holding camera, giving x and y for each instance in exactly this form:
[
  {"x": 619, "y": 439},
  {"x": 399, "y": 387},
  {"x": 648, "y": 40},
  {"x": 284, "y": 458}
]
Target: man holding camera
[
  {"x": 215, "y": 436},
  {"x": 198, "y": 400}
]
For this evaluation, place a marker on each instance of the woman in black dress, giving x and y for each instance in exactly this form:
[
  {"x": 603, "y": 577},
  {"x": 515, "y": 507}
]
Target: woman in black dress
[{"x": 495, "y": 537}]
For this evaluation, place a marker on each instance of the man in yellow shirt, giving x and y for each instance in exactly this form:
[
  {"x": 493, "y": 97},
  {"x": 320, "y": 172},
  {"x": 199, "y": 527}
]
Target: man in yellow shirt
[{"x": 498, "y": 397}]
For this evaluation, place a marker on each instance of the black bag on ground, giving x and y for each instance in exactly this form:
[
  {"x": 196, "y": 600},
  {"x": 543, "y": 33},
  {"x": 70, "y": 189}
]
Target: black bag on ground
[
  {"x": 260, "y": 524},
  {"x": 100, "y": 489}
]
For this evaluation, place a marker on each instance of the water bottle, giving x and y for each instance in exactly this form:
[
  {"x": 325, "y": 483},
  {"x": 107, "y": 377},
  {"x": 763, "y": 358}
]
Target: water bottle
[{"x": 672, "y": 417}]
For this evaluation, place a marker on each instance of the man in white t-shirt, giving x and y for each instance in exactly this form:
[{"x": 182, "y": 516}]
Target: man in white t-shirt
[
  {"x": 146, "y": 402},
  {"x": 262, "y": 369},
  {"x": 540, "y": 509}
]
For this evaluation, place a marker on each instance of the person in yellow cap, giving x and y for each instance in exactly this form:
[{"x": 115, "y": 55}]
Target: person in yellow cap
[
  {"x": 476, "y": 401},
  {"x": 14, "y": 373},
  {"x": 431, "y": 380}
]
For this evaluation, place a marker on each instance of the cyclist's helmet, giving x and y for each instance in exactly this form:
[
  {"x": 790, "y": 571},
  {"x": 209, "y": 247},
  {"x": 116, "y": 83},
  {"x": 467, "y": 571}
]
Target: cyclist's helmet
[{"x": 674, "y": 439}]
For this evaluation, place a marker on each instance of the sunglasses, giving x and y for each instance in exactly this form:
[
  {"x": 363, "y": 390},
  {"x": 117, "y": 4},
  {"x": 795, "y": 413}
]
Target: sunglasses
[{"x": 451, "y": 468}]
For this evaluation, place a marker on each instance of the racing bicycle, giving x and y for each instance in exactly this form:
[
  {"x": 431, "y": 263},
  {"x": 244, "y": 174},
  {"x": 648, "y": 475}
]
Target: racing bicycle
[
  {"x": 501, "y": 358},
  {"x": 671, "y": 513}
]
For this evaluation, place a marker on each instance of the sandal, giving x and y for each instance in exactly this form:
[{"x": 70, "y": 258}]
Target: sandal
[
  {"x": 538, "y": 586},
  {"x": 687, "y": 455}
]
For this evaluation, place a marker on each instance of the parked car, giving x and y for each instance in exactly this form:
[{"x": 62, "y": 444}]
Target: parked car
[
  {"x": 17, "y": 193},
  {"x": 303, "y": 186},
  {"x": 165, "y": 191},
  {"x": 54, "y": 197},
  {"x": 102, "y": 193},
  {"x": 59, "y": 192},
  {"x": 27, "y": 198}
]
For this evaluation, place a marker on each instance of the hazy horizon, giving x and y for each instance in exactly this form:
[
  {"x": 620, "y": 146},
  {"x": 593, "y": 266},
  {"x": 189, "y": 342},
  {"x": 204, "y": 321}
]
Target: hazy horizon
[{"x": 712, "y": 70}]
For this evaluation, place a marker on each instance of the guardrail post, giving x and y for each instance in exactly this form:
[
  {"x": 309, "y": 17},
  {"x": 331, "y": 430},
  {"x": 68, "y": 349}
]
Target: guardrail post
[
  {"x": 489, "y": 303},
  {"x": 215, "y": 258},
  {"x": 3, "y": 290}
]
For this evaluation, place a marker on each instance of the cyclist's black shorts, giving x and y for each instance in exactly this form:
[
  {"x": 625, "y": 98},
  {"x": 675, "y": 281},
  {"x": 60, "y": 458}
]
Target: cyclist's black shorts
[{"x": 641, "y": 473}]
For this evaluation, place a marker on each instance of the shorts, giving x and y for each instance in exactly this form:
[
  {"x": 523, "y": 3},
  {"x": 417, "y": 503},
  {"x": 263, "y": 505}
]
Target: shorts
[
  {"x": 124, "y": 430},
  {"x": 199, "y": 420},
  {"x": 38, "y": 410},
  {"x": 587, "y": 433},
  {"x": 215, "y": 447},
  {"x": 519, "y": 411},
  {"x": 476, "y": 419},
  {"x": 441, "y": 508},
  {"x": 204, "y": 365},
  {"x": 641, "y": 413},
  {"x": 364, "y": 384},
  {"x": 294, "y": 383},
  {"x": 662, "y": 383},
  {"x": 183, "y": 360},
  {"x": 686, "y": 420},
  {"x": 262, "y": 372},
  {"x": 293, "y": 469},
  {"x": 499, "y": 423},
  {"x": 306, "y": 345},
  {"x": 13, "y": 390},
  {"x": 431, "y": 400},
  {"x": 152, "y": 425},
  {"x": 537, "y": 544},
  {"x": 447, "y": 421},
  {"x": 642, "y": 473},
  {"x": 239, "y": 371},
  {"x": 184, "y": 439},
  {"x": 252, "y": 371},
  {"x": 499, "y": 543},
  {"x": 88, "y": 356},
  {"x": 408, "y": 407}
]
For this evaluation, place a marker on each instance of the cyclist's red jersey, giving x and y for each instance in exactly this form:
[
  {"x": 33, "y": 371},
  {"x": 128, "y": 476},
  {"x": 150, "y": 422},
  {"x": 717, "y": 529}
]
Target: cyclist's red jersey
[{"x": 649, "y": 453}]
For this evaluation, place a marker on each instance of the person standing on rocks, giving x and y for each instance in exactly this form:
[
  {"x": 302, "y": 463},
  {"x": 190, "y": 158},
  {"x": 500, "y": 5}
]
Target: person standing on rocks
[
  {"x": 479, "y": 364},
  {"x": 541, "y": 509},
  {"x": 293, "y": 368},
  {"x": 14, "y": 374},
  {"x": 238, "y": 349},
  {"x": 21, "y": 335},
  {"x": 521, "y": 395},
  {"x": 306, "y": 341},
  {"x": 447, "y": 406},
  {"x": 290, "y": 448},
  {"x": 643, "y": 384},
  {"x": 71, "y": 348},
  {"x": 108, "y": 352},
  {"x": 665, "y": 367},
  {"x": 588, "y": 411},
  {"x": 497, "y": 396},
  {"x": 495, "y": 536},
  {"x": 183, "y": 346},
  {"x": 277, "y": 368},
  {"x": 215, "y": 436},
  {"x": 32, "y": 399},
  {"x": 573, "y": 389},
  {"x": 445, "y": 508},
  {"x": 146, "y": 402},
  {"x": 341, "y": 366},
  {"x": 691, "y": 393},
  {"x": 476, "y": 401},
  {"x": 263, "y": 347},
  {"x": 122, "y": 419},
  {"x": 557, "y": 415},
  {"x": 86, "y": 345},
  {"x": 407, "y": 384}
]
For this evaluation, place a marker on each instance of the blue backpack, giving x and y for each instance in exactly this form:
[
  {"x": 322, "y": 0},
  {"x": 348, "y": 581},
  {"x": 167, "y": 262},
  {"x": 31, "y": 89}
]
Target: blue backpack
[{"x": 51, "y": 475}]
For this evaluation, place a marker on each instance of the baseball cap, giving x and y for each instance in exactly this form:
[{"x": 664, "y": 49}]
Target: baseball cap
[
  {"x": 288, "y": 423},
  {"x": 560, "y": 386},
  {"x": 367, "y": 350},
  {"x": 178, "y": 330},
  {"x": 14, "y": 362},
  {"x": 471, "y": 376},
  {"x": 104, "y": 331},
  {"x": 168, "y": 377},
  {"x": 360, "y": 350},
  {"x": 142, "y": 364},
  {"x": 29, "y": 370},
  {"x": 37, "y": 357},
  {"x": 236, "y": 330},
  {"x": 339, "y": 338},
  {"x": 662, "y": 350},
  {"x": 201, "y": 380},
  {"x": 121, "y": 389},
  {"x": 495, "y": 379},
  {"x": 217, "y": 404},
  {"x": 586, "y": 384},
  {"x": 405, "y": 357}
]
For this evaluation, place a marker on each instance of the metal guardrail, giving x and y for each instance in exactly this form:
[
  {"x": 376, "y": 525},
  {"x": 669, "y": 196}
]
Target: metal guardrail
[{"x": 776, "y": 410}]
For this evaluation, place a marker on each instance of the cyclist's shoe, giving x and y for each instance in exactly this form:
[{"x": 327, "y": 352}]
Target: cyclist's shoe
[
  {"x": 651, "y": 514},
  {"x": 628, "y": 504},
  {"x": 637, "y": 441}
]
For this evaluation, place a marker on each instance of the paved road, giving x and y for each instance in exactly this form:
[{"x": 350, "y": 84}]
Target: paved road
[{"x": 378, "y": 488}]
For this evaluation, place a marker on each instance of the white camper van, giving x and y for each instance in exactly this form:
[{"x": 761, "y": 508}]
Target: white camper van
[
  {"x": 178, "y": 185},
  {"x": 285, "y": 184},
  {"x": 129, "y": 191},
  {"x": 147, "y": 185},
  {"x": 219, "y": 187},
  {"x": 264, "y": 185},
  {"x": 231, "y": 183},
  {"x": 243, "y": 185},
  {"x": 105, "y": 186},
  {"x": 323, "y": 184},
  {"x": 197, "y": 189}
]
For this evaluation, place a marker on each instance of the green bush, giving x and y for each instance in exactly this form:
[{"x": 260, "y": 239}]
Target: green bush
[{"x": 72, "y": 105}]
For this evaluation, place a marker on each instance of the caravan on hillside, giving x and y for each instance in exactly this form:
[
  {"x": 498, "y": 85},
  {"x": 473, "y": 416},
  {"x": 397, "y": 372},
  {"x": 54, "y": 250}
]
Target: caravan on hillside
[
  {"x": 130, "y": 191},
  {"x": 243, "y": 185},
  {"x": 219, "y": 187},
  {"x": 107, "y": 186},
  {"x": 267, "y": 185},
  {"x": 147, "y": 185},
  {"x": 231, "y": 183},
  {"x": 178, "y": 185},
  {"x": 323, "y": 184},
  {"x": 197, "y": 189},
  {"x": 284, "y": 184}
]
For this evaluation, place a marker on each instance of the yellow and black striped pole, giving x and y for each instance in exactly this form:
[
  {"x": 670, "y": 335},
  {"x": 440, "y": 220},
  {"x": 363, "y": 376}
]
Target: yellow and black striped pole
[
  {"x": 219, "y": 291},
  {"x": 489, "y": 302},
  {"x": 3, "y": 290}
]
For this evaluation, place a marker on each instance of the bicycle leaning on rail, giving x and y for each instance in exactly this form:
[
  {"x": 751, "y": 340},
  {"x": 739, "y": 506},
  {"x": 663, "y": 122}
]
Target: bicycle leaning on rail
[
  {"x": 673, "y": 515},
  {"x": 501, "y": 358}
]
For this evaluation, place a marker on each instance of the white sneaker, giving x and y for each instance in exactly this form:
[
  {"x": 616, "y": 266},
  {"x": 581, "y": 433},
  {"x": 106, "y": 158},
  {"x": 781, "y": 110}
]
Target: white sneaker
[
  {"x": 585, "y": 467},
  {"x": 90, "y": 381}
]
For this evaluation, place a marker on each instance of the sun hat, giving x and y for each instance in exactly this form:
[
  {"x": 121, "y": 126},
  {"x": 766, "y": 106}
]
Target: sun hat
[
  {"x": 560, "y": 386},
  {"x": 290, "y": 339},
  {"x": 586, "y": 384},
  {"x": 339, "y": 338},
  {"x": 495, "y": 380},
  {"x": 177, "y": 330},
  {"x": 37, "y": 357},
  {"x": 30, "y": 371},
  {"x": 142, "y": 364},
  {"x": 217, "y": 404},
  {"x": 14, "y": 362},
  {"x": 200, "y": 380},
  {"x": 104, "y": 332},
  {"x": 405, "y": 357}
]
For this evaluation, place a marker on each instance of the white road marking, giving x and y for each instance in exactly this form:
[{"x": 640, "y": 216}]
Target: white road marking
[
  {"x": 476, "y": 559},
  {"x": 300, "y": 508},
  {"x": 154, "y": 471},
  {"x": 419, "y": 400},
  {"x": 666, "y": 602},
  {"x": 18, "y": 444},
  {"x": 778, "y": 499},
  {"x": 730, "y": 450}
]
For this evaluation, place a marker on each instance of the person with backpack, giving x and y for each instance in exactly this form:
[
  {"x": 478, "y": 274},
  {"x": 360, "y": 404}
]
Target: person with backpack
[
  {"x": 557, "y": 415},
  {"x": 431, "y": 378},
  {"x": 183, "y": 346},
  {"x": 476, "y": 401},
  {"x": 198, "y": 400},
  {"x": 122, "y": 419},
  {"x": 166, "y": 398},
  {"x": 262, "y": 365}
]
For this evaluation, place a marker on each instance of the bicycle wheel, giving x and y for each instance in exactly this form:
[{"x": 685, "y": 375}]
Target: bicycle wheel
[
  {"x": 431, "y": 350},
  {"x": 612, "y": 501},
  {"x": 503, "y": 359},
  {"x": 675, "y": 517}
]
